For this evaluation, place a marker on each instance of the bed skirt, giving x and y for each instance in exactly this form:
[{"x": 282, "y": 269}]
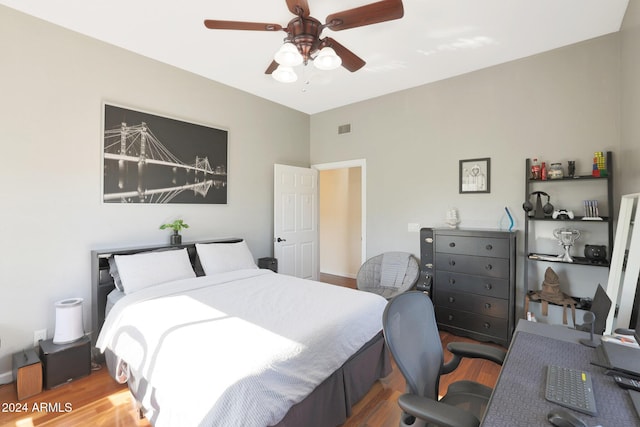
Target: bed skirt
[{"x": 330, "y": 403}]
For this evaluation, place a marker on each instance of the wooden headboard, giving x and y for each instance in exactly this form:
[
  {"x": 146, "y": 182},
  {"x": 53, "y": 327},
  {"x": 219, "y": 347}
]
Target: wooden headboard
[{"x": 102, "y": 282}]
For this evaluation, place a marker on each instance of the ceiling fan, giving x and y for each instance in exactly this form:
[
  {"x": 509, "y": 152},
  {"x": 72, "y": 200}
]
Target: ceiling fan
[{"x": 304, "y": 33}]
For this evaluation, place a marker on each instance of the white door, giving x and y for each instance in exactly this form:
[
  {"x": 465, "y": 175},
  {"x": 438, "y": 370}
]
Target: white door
[{"x": 295, "y": 240}]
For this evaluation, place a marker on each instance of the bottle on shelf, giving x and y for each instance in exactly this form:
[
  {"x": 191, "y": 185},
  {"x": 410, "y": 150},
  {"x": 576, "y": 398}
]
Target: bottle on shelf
[
  {"x": 535, "y": 169},
  {"x": 543, "y": 171}
]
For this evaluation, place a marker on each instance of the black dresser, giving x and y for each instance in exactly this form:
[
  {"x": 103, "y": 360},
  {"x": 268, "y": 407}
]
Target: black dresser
[{"x": 474, "y": 280}]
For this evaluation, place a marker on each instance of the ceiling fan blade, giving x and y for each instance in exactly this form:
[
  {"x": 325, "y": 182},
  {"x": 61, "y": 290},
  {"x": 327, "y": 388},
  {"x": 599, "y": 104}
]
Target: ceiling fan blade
[
  {"x": 272, "y": 67},
  {"x": 213, "y": 24},
  {"x": 350, "y": 60},
  {"x": 381, "y": 11},
  {"x": 298, "y": 7}
]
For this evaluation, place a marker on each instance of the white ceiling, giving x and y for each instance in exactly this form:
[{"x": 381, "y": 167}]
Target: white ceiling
[{"x": 435, "y": 39}]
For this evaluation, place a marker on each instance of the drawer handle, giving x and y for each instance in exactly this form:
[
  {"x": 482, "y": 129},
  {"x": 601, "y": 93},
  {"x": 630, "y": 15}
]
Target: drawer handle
[
  {"x": 487, "y": 306},
  {"x": 452, "y": 281},
  {"x": 488, "y": 286},
  {"x": 429, "y": 240},
  {"x": 489, "y": 247},
  {"x": 487, "y": 325},
  {"x": 489, "y": 267},
  {"x": 429, "y": 265},
  {"x": 452, "y": 262},
  {"x": 452, "y": 244},
  {"x": 452, "y": 299},
  {"x": 450, "y": 317}
]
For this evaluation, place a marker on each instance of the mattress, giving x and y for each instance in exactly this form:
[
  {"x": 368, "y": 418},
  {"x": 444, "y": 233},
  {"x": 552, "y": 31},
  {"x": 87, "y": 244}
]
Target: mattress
[
  {"x": 237, "y": 348},
  {"x": 112, "y": 298}
]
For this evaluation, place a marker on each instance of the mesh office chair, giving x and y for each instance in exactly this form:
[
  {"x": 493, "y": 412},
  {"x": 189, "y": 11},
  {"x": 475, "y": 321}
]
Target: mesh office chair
[
  {"x": 411, "y": 334},
  {"x": 388, "y": 274}
]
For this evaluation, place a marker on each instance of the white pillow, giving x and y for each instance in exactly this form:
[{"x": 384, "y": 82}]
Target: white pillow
[
  {"x": 223, "y": 257},
  {"x": 140, "y": 271}
]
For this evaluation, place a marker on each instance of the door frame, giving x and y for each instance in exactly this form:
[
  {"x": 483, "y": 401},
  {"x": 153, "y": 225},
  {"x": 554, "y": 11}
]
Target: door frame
[{"x": 362, "y": 164}]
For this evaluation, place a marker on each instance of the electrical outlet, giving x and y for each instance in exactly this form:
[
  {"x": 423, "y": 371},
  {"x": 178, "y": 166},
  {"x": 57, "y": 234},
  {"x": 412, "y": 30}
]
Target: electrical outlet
[{"x": 39, "y": 335}]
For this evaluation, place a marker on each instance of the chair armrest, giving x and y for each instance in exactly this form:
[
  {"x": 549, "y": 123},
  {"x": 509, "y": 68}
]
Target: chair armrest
[
  {"x": 436, "y": 412},
  {"x": 472, "y": 350}
]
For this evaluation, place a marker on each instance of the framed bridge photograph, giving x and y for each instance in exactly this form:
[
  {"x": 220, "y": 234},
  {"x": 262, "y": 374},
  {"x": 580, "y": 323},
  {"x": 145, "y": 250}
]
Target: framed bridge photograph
[{"x": 153, "y": 159}]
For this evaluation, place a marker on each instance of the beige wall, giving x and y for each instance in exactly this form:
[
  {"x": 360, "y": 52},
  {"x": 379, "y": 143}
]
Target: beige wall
[
  {"x": 52, "y": 86},
  {"x": 340, "y": 221}
]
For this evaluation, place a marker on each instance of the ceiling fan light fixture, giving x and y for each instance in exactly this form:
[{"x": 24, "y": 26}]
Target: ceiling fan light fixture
[
  {"x": 284, "y": 74},
  {"x": 327, "y": 59},
  {"x": 288, "y": 55}
]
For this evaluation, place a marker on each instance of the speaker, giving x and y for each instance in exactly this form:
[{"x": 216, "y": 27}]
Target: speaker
[
  {"x": 27, "y": 371},
  {"x": 426, "y": 260},
  {"x": 65, "y": 362}
]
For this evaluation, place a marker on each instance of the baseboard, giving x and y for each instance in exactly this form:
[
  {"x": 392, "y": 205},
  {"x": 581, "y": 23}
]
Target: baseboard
[
  {"x": 336, "y": 273},
  {"x": 6, "y": 377}
]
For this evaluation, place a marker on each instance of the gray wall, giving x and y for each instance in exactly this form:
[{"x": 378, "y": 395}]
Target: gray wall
[
  {"x": 630, "y": 135},
  {"x": 52, "y": 84},
  {"x": 557, "y": 106},
  {"x": 560, "y": 105}
]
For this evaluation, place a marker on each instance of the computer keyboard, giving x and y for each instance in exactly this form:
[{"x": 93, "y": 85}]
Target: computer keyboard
[{"x": 571, "y": 388}]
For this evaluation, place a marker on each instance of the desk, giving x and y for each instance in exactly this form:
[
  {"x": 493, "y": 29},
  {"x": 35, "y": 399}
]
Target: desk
[{"x": 518, "y": 397}]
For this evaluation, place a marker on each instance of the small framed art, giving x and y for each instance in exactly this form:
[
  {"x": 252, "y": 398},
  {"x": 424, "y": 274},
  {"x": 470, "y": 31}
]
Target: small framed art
[{"x": 475, "y": 175}]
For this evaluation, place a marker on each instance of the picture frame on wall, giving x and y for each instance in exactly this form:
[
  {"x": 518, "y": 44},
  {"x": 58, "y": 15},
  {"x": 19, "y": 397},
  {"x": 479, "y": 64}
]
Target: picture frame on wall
[
  {"x": 475, "y": 175},
  {"x": 152, "y": 159}
]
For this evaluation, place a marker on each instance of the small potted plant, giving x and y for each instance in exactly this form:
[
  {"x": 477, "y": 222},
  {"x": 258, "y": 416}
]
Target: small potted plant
[{"x": 176, "y": 226}]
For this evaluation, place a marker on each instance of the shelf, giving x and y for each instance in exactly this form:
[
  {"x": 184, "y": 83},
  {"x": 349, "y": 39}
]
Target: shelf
[
  {"x": 581, "y": 302},
  {"x": 575, "y": 219},
  {"x": 575, "y": 178},
  {"x": 577, "y": 260},
  {"x": 536, "y": 227}
]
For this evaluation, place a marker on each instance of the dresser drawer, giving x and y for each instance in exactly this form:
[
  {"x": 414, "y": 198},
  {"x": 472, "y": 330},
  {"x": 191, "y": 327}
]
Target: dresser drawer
[
  {"x": 477, "y": 246},
  {"x": 479, "y": 266},
  {"x": 494, "y": 307},
  {"x": 468, "y": 321},
  {"x": 479, "y": 285}
]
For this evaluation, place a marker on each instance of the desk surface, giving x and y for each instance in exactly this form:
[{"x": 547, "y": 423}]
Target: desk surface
[{"x": 518, "y": 398}]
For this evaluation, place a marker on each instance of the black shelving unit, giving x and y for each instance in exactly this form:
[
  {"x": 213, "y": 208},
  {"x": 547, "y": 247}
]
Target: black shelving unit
[{"x": 605, "y": 220}]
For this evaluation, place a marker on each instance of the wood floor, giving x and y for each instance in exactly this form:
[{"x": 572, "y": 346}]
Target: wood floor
[{"x": 97, "y": 400}]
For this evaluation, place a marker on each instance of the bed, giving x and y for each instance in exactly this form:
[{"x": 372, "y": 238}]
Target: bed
[{"x": 228, "y": 344}]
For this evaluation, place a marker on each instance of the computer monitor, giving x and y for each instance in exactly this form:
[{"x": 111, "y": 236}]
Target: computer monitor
[
  {"x": 600, "y": 306},
  {"x": 636, "y": 329}
]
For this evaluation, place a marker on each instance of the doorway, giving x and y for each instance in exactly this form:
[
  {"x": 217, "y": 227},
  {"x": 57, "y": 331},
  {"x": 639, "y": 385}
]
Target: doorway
[{"x": 342, "y": 217}]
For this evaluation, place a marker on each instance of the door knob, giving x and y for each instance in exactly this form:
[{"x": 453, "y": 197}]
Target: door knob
[{"x": 280, "y": 240}]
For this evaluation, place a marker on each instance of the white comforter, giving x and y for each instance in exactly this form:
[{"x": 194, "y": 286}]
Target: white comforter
[{"x": 239, "y": 348}]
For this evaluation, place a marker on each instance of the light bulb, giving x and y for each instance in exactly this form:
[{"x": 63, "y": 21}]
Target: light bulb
[
  {"x": 285, "y": 74},
  {"x": 327, "y": 59},
  {"x": 288, "y": 55}
]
